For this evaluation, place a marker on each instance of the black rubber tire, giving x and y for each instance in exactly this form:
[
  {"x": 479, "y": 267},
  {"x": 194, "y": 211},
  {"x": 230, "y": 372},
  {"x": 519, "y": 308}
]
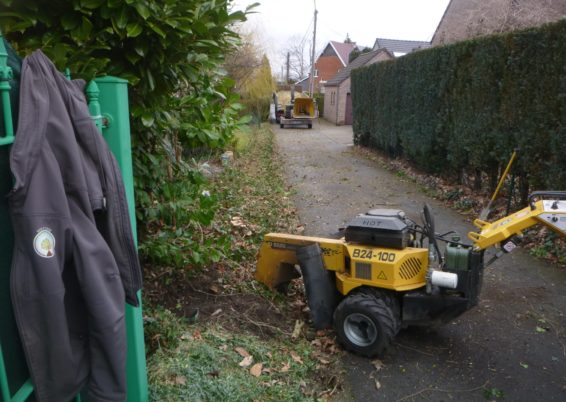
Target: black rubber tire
[
  {"x": 389, "y": 297},
  {"x": 364, "y": 324},
  {"x": 281, "y": 125},
  {"x": 310, "y": 126}
]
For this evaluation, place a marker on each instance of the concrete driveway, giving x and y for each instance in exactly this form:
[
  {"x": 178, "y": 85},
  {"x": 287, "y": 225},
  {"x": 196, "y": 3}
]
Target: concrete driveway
[{"x": 512, "y": 346}]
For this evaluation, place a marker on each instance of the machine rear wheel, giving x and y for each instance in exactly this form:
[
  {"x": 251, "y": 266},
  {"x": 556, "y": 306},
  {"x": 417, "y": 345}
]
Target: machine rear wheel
[
  {"x": 309, "y": 125},
  {"x": 365, "y": 324},
  {"x": 281, "y": 125}
]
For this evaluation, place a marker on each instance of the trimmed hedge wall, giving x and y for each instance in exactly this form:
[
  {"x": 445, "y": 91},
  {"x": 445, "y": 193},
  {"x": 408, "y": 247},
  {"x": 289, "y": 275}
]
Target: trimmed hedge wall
[
  {"x": 463, "y": 108},
  {"x": 319, "y": 99}
]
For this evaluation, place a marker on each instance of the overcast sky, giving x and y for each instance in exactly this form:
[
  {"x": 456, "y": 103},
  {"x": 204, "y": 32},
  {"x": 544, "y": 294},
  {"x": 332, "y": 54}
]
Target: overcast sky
[{"x": 277, "y": 21}]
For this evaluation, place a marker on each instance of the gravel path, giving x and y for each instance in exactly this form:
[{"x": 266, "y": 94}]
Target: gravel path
[{"x": 512, "y": 346}]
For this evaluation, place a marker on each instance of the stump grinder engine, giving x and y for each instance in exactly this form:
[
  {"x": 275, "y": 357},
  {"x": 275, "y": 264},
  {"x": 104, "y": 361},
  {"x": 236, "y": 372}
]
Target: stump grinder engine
[{"x": 388, "y": 272}]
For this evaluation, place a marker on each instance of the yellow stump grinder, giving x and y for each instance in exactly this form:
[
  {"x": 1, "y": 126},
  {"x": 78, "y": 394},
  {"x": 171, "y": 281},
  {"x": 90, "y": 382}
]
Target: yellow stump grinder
[{"x": 389, "y": 272}]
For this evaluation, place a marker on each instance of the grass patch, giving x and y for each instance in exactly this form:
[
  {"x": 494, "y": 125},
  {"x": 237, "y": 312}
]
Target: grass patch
[{"x": 210, "y": 365}]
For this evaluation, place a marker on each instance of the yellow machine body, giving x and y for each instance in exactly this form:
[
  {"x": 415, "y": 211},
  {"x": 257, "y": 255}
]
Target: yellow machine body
[
  {"x": 387, "y": 268},
  {"x": 355, "y": 265},
  {"x": 303, "y": 108},
  {"x": 549, "y": 213}
]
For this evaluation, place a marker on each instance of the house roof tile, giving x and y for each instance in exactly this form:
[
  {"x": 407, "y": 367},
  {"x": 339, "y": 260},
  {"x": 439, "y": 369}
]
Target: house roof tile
[
  {"x": 343, "y": 50},
  {"x": 359, "y": 61},
  {"x": 397, "y": 46}
]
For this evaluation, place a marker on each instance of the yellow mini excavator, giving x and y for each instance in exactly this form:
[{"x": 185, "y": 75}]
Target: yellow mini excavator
[{"x": 388, "y": 272}]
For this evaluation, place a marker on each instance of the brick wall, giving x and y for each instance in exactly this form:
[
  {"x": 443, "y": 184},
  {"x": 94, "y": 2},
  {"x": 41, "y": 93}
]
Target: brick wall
[{"x": 327, "y": 67}]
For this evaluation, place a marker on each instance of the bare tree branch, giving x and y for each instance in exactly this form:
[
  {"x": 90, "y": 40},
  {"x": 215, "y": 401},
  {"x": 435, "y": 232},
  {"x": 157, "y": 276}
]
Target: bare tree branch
[{"x": 297, "y": 48}]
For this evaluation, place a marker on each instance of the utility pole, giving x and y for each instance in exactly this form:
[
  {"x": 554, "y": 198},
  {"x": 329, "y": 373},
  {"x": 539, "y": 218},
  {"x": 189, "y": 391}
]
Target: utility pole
[
  {"x": 313, "y": 53},
  {"x": 288, "y": 64}
]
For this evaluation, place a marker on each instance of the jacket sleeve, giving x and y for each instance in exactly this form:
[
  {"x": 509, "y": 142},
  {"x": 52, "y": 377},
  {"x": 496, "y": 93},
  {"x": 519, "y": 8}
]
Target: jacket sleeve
[
  {"x": 116, "y": 228},
  {"x": 112, "y": 218}
]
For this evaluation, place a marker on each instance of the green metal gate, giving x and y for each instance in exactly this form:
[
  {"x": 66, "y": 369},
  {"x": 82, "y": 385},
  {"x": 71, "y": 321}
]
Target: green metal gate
[{"x": 108, "y": 104}]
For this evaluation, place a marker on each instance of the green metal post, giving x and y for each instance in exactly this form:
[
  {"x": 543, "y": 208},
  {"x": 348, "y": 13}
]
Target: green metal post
[
  {"x": 5, "y": 77},
  {"x": 4, "y": 387},
  {"x": 93, "y": 94},
  {"x": 116, "y": 130}
]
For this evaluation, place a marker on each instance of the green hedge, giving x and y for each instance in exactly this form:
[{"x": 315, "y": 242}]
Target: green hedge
[
  {"x": 464, "y": 107},
  {"x": 319, "y": 99}
]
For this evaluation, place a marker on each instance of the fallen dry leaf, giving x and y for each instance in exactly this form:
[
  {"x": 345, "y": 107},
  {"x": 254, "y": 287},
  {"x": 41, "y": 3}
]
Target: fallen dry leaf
[
  {"x": 297, "y": 303},
  {"x": 285, "y": 367},
  {"x": 197, "y": 335},
  {"x": 214, "y": 289},
  {"x": 237, "y": 221},
  {"x": 378, "y": 364},
  {"x": 296, "y": 357},
  {"x": 216, "y": 312},
  {"x": 377, "y": 384},
  {"x": 256, "y": 369},
  {"x": 223, "y": 348},
  {"x": 297, "y": 330},
  {"x": 180, "y": 380},
  {"x": 242, "y": 352},
  {"x": 246, "y": 361}
]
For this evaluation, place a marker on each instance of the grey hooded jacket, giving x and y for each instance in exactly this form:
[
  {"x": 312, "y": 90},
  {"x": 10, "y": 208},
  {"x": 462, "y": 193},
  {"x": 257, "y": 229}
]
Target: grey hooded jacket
[{"x": 74, "y": 262}]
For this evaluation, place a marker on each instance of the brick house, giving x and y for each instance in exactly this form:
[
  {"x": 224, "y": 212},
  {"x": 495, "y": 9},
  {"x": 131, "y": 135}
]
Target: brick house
[
  {"x": 333, "y": 58},
  {"x": 337, "y": 96}
]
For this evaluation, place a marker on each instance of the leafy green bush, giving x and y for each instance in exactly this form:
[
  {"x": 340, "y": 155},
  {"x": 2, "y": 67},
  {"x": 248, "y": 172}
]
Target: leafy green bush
[
  {"x": 464, "y": 107},
  {"x": 319, "y": 99}
]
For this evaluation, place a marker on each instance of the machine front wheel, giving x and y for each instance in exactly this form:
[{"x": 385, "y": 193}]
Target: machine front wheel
[{"x": 365, "y": 324}]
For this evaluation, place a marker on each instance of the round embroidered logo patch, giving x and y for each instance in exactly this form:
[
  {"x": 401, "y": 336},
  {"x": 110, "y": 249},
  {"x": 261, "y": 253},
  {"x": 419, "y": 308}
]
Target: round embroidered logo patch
[{"x": 44, "y": 243}]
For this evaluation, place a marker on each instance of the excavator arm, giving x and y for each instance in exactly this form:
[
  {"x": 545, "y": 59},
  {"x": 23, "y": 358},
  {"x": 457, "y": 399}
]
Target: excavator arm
[{"x": 545, "y": 207}]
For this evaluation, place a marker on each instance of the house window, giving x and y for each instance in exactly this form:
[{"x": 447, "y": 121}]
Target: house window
[
  {"x": 315, "y": 72},
  {"x": 332, "y": 97}
]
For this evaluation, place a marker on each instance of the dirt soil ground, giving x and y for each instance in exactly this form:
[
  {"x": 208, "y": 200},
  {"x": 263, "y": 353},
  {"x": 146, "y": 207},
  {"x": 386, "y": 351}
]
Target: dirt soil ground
[
  {"x": 512, "y": 346},
  {"x": 206, "y": 298}
]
